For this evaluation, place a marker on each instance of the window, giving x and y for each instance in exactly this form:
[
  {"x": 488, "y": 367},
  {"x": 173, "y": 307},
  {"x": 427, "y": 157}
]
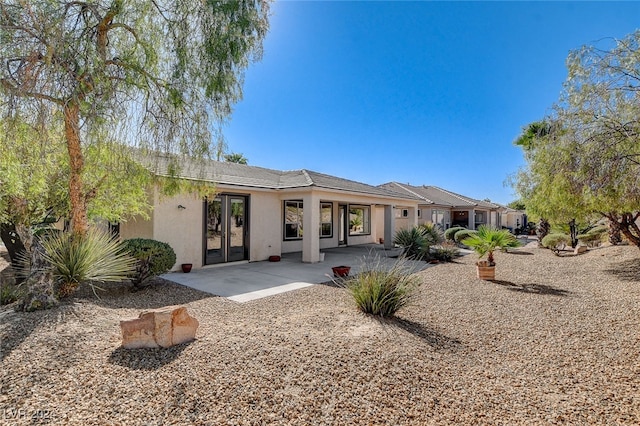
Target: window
[
  {"x": 480, "y": 217},
  {"x": 400, "y": 213},
  {"x": 359, "y": 220},
  {"x": 326, "y": 220},
  {"x": 293, "y": 214},
  {"x": 437, "y": 217}
]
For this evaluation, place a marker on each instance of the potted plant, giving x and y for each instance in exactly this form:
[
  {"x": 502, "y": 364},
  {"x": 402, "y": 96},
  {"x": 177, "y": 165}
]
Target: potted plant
[{"x": 487, "y": 240}]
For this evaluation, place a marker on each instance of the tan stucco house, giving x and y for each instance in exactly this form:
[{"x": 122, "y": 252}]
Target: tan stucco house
[
  {"x": 512, "y": 219},
  {"x": 445, "y": 208},
  {"x": 257, "y": 213}
]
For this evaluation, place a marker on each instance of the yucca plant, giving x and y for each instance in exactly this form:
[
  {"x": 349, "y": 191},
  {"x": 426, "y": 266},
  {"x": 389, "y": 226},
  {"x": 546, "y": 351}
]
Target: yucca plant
[
  {"x": 93, "y": 257},
  {"x": 488, "y": 239},
  {"x": 382, "y": 289}
]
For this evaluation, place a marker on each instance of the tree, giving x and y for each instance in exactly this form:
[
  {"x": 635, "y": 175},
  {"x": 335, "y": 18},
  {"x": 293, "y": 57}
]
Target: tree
[
  {"x": 548, "y": 184},
  {"x": 31, "y": 180},
  {"x": 589, "y": 161},
  {"x": 156, "y": 76},
  {"x": 33, "y": 171},
  {"x": 235, "y": 157},
  {"x": 517, "y": 205},
  {"x": 602, "y": 109}
]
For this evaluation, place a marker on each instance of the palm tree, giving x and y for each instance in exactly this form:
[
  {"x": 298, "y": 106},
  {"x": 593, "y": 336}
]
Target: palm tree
[{"x": 489, "y": 239}]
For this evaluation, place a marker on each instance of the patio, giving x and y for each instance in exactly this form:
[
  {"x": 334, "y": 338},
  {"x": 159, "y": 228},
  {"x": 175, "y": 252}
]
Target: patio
[{"x": 244, "y": 281}]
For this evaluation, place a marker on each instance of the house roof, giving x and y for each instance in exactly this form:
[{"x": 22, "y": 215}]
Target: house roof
[
  {"x": 258, "y": 177},
  {"x": 438, "y": 196}
]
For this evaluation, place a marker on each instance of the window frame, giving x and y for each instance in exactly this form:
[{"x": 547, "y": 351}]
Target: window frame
[
  {"x": 436, "y": 212},
  {"x": 299, "y": 223},
  {"x": 366, "y": 219},
  {"x": 325, "y": 204}
]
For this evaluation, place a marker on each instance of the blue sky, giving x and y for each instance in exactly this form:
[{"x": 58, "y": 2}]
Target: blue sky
[{"x": 427, "y": 93}]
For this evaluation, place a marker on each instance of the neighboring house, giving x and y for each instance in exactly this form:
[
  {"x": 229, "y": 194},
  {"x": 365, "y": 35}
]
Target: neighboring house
[
  {"x": 259, "y": 212},
  {"x": 446, "y": 208},
  {"x": 512, "y": 219}
]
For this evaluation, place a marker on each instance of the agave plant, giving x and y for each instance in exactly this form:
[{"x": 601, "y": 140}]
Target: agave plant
[{"x": 489, "y": 239}]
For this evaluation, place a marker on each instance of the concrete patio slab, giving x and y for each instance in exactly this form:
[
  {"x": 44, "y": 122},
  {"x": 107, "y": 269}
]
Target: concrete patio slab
[{"x": 243, "y": 282}]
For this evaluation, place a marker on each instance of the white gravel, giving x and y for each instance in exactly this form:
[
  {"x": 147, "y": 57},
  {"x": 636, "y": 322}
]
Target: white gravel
[{"x": 556, "y": 341}]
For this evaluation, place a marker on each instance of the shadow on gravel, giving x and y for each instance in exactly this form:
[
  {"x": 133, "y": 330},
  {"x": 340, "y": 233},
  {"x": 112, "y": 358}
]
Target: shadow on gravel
[
  {"x": 16, "y": 327},
  {"x": 527, "y": 253},
  {"x": 431, "y": 337},
  {"x": 157, "y": 294},
  {"x": 532, "y": 288},
  {"x": 146, "y": 358},
  {"x": 629, "y": 270}
]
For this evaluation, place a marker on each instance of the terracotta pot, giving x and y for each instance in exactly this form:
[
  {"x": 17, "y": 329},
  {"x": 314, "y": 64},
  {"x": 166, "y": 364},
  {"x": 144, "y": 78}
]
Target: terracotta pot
[
  {"x": 274, "y": 258},
  {"x": 341, "y": 271},
  {"x": 186, "y": 267}
]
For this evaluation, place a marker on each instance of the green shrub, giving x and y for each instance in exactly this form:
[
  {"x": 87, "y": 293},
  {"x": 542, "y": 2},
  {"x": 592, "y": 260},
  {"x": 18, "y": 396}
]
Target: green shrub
[
  {"x": 95, "y": 256},
  {"x": 591, "y": 239},
  {"x": 556, "y": 242},
  {"x": 463, "y": 234},
  {"x": 450, "y": 233},
  {"x": 382, "y": 290},
  {"x": 444, "y": 253},
  {"x": 153, "y": 258},
  {"x": 9, "y": 293}
]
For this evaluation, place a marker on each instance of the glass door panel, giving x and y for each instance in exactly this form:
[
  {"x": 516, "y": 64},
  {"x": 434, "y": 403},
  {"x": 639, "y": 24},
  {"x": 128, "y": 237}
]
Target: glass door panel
[
  {"x": 236, "y": 228},
  {"x": 226, "y": 229},
  {"x": 215, "y": 232}
]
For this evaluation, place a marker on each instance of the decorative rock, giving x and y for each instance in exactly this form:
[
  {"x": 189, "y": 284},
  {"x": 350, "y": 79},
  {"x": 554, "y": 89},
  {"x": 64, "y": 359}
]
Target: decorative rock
[
  {"x": 163, "y": 327},
  {"x": 580, "y": 250}
]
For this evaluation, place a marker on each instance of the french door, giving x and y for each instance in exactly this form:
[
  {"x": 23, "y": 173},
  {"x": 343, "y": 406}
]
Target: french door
[{"x": 226, "y": 229}]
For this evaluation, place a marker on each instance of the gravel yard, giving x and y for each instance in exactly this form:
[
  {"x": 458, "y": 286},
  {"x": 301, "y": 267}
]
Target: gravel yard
[{"x": 555, "y": 341}]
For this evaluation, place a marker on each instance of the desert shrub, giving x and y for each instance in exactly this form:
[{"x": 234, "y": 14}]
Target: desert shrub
[
  {"x": 594, "y": 236},
  {"x": 432, "y": 233},
  {"x": 382, "y": 290},
  {"x": 450, "y": 233},
  {"x": 9, "y": 293},
  {"x": 153, "y": 258},
  {"x": 556, "y": 242},
  {"x": 445, "y": 253},
  {"x": 463, "y": 234},
  {"x": 413, "y": 242},
  {"x": 590, "y": 240},
  {"x": 93, "y": 257}
]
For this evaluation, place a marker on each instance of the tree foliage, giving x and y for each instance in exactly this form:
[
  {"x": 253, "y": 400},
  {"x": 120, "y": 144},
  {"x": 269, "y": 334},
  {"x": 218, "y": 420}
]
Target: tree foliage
[
  {"x": 586, "y": 158},
  {"x": 160, "y": 76},
  {"x": 235, "y": 157}
]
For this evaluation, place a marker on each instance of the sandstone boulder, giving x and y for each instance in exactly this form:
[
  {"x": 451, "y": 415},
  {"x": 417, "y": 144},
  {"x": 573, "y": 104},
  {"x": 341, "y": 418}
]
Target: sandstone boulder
[{"x": 163, "y": 327}]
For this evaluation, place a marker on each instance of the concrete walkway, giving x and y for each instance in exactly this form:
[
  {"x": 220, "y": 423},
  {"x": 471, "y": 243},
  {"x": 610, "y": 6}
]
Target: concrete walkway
[{"x": 244, "y": 281}]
